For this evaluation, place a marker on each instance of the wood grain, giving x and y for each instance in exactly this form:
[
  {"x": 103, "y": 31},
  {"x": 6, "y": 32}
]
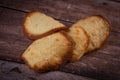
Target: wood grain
[
  {"x": 12, "y": 40},
  {"x": 15, "y": 71},
  {"x": 13, "y": 43},
  {"x": 69, "y": 10},
  {"x": 104, "y": 68},
  {"x": 103, "y": 64}
]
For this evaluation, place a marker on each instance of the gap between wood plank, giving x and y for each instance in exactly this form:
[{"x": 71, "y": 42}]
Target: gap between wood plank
[
  {"x": 20, "y": 11},
  {"x": 28, "y": 12},
  {"x": 53, "y": 17},
  {"x": 21, "y": 71}
]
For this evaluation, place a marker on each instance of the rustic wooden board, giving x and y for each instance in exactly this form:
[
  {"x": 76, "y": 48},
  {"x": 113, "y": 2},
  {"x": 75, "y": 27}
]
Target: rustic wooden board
[
  {"x": 12, "y": 40},
  {"x": 69, "y": 10},
  {"x": 15, "y": 71},
  {"x": 101, "y": 64},
  {"x": 97, "y": 66},
  {"x": 13, "y": 43}
]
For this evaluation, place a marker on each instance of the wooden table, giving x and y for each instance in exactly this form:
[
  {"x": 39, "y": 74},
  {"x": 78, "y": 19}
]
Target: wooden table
[{"x": 103, "y": 64}]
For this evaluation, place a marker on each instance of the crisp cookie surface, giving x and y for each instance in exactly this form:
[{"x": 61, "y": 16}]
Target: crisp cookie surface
[
  {"x": 81, "y": 40},
  {"x": 48, "y": 52},
  {"x": 97, "y": 28},
  {"x": 37, "y": 24}
]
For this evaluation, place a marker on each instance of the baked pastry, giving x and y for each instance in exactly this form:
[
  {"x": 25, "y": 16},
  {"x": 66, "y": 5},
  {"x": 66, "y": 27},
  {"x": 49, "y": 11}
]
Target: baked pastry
[
  {"x": 81, "y": 40},
  {"x": 97, "y": 28},
  {"x": 49, "y": 53},
  {"x": 37, "y": 25}
]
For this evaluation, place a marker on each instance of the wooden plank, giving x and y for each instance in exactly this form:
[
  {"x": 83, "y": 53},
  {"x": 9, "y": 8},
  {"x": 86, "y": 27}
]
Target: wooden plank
[
  {"x": 13, "y": 43},
  {"x": 101, "y": 64},
  {"x": 96, "y": 66},
  {"x": 69, "y": 10},
  {"x": 15, "y": 71},
  {"x": 101, "y": 3},
  {"x": 114, "y": 39}
]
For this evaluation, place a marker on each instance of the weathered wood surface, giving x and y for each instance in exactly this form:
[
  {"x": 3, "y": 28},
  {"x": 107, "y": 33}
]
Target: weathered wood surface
[
  {"x": 15, "y": 71},
  {"x": 69, "y": 10},
  {"x": 101, "y": 64}
]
